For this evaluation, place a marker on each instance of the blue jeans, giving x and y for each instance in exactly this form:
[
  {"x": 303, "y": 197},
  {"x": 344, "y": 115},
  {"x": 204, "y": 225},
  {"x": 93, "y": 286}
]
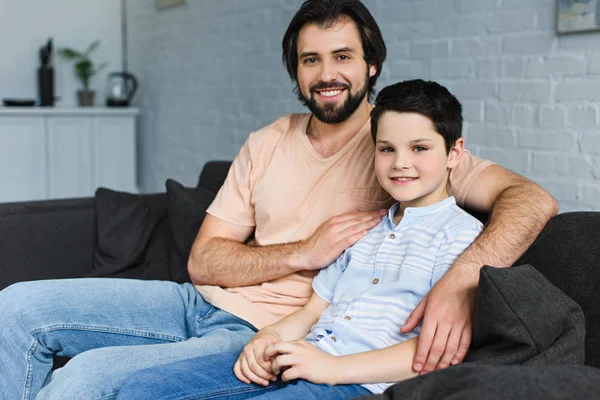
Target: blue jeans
[
  {"x": 111, "y": 328},
  {"x": 211, "y": 377}
]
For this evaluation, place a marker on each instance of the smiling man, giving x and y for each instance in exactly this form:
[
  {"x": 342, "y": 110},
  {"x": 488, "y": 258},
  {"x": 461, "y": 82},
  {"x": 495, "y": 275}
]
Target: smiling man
[{"x": 297, "y": 185}]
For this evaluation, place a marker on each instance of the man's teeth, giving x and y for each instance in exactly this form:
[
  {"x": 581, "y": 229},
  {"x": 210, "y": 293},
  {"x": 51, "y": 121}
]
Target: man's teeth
[{"x": 330, "y": 93}]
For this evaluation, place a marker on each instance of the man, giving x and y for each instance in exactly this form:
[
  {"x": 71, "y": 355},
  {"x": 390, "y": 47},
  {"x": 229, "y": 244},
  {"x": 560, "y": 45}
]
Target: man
[{"x": 297, "y": 185}]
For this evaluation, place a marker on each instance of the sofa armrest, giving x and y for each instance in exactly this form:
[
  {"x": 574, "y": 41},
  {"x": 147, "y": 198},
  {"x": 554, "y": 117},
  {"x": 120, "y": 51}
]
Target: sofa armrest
[{"x": 46, "y": 240}]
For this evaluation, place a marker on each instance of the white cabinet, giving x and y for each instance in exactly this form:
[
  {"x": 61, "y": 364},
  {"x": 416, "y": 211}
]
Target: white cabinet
[{"x": 58, "y": 153}]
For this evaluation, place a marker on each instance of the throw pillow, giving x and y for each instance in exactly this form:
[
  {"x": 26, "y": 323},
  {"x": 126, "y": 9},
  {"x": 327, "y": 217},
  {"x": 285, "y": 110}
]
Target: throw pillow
[
  {"x": 132, "y": 235},
  {"x": 186, "y": 209}
]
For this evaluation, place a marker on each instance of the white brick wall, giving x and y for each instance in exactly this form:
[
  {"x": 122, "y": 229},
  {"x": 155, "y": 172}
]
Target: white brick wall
[{"x": 211, "y": 73}]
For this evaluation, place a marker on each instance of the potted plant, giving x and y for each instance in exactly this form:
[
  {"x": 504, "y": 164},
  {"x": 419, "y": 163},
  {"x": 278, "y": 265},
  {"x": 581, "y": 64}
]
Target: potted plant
[{"x": 84, "y": 71}]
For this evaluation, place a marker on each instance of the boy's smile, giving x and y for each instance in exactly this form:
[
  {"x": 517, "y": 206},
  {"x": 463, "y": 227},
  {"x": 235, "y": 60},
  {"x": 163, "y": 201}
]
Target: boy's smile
[{"x": 411, "y": 160}]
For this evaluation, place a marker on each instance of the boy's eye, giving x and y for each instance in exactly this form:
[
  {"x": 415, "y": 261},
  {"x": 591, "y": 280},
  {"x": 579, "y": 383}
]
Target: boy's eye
[{"x": 419, "y": 148}]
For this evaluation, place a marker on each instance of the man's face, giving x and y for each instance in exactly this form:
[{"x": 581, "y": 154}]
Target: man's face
[{"x": 333, "y": 77}]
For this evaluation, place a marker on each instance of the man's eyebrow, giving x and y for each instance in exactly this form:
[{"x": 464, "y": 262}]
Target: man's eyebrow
[
  {"x": 308, "y": 54},
  {"x": 343, "y": 50},
  {"x": 336, "y": 51}
]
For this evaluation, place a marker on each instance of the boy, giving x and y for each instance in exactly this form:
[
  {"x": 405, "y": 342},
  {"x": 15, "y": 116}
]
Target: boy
[{"x": 361, "y": 300}]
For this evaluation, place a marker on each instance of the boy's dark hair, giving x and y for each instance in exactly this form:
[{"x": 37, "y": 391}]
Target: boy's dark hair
[
  {"x": 325, "y": 13},
  {"x": 427, "y": 98}
]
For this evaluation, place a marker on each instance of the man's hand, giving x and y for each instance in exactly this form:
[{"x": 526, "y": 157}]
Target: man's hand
[
  {"x": 447, "y": 312},
  {"x": 253, "y": 365},
  {"x": 335, "y": 235},
  {"x": 302, "y": 360}
]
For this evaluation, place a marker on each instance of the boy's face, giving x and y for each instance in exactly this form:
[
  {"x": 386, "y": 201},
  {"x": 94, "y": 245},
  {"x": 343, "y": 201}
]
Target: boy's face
[
  {"x": 333, "y": 76},
  {"x": 411, "y": 161}
]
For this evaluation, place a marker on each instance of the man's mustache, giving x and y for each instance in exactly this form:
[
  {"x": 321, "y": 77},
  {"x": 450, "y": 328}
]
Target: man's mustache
[{"x": 329, "y": 85}]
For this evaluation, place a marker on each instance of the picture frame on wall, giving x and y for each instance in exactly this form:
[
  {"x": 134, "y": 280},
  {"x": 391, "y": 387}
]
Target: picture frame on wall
[{"x": 577, "y": 16}]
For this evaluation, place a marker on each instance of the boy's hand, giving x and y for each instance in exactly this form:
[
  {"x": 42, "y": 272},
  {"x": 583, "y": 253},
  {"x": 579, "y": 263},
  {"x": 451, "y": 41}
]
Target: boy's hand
[
  {"x": 302, "y": 360},
  {"x": 253, "y": 365},
  {"x": 335, "y": 235},
  {"x": 447, "y": 312}
]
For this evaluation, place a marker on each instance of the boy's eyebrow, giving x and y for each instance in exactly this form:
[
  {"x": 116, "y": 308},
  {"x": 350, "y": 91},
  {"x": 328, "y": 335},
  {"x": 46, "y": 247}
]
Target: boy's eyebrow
[
  {"x": 412, "y": 141},
  {"x": 421, "y": 140},
  {"x": 336, "y": 51}
]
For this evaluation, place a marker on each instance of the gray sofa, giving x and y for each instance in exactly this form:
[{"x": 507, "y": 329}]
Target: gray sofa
[{"x": 65, "y": 239}]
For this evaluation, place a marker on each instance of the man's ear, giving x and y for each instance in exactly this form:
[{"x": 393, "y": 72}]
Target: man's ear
[
  {"x": 372, "y": 70},
  {"x": 456, "y": 152}
]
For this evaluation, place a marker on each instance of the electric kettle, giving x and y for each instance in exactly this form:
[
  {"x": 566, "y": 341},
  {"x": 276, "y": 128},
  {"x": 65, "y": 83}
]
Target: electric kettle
[{"x": 120, "y": 89}]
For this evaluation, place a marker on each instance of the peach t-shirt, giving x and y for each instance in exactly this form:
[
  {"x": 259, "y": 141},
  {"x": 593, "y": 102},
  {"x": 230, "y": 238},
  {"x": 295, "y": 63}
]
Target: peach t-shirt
[{"x": 279, "y": 184}]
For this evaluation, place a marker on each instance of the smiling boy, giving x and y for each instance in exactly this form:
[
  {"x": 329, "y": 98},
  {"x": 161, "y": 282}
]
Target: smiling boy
[{"x": 346, "y": 341}]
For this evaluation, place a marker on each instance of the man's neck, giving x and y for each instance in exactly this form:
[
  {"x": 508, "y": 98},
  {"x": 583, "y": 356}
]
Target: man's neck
[{"x": 328, "y": 139}]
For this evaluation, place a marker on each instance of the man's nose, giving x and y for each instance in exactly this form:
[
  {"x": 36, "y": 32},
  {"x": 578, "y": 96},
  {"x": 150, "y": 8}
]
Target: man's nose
[{"x": 328, "y": 72}]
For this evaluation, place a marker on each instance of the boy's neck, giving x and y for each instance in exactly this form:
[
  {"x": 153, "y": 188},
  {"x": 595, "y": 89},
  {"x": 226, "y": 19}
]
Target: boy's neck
[{"x": 440, "y": 194}]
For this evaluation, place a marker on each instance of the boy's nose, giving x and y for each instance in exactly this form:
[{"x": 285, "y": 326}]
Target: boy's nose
[{"x": 401, "y": 163}]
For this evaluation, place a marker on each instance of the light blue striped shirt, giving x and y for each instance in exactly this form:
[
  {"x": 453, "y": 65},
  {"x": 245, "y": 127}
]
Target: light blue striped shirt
[{"x": 374, "y": 285}]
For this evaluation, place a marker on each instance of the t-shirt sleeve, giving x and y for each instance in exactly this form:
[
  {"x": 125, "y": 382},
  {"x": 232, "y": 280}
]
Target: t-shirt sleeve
[
  {"x": 233, "y": 202},
  {"x": 324, "y": 283},
  {"x": 463, "y": 175},
  {"x": 452, "y": 247}
]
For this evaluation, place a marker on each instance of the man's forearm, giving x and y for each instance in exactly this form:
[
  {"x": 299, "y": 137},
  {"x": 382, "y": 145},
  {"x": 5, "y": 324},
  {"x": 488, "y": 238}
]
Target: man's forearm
[
  {"x": 227, "y": 263},
  {"x": 518, "y": 216},
  {"x": 391, "y": 364}
]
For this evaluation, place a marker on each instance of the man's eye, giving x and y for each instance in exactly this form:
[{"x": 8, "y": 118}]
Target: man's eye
[
  {"x": 419, "y": 148},
  {"x": 343, "y": 57},
  {"x": 311, "y": 60}
]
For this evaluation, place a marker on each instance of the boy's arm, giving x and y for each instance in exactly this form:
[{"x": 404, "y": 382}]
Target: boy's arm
[
  {"x": 253, "y": 365},
  {"x": 297, "y": 325},
  {"x": 305, "y": 361},
  {"x": 390, "y": 364}
]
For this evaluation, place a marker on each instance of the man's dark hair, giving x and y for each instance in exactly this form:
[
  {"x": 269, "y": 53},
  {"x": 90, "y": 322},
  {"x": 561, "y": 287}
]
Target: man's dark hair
[
  {"x": 427, "y": 98},
  {"x": 325, "y": 13}
]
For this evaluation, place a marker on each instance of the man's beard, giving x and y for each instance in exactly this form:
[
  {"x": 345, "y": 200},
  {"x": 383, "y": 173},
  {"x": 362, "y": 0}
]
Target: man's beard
[{"x": 331, "y": 113}]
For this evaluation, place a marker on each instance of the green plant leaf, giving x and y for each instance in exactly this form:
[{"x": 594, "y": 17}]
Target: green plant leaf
[
  {"x": 69, "y": 54},
  {"x": 84, "y": 67},
  {"x": 91, "y": 48}
]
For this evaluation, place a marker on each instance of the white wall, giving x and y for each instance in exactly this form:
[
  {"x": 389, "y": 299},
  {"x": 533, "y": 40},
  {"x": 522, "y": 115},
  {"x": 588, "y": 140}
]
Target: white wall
[
  {"x": 25, "y": 26},
  {"x": 212, "y": 73}
]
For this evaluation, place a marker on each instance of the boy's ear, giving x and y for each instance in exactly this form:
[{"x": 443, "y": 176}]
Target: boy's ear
[{"x": 456, "y": 152}]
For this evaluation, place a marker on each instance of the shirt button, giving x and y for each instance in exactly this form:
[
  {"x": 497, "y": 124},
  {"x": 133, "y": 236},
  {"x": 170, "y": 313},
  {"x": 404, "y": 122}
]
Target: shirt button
[
  {"x": 347, "y": 317},
  {"x": 333, "y": 339},
  {"x": 392, "y": 236},
  {"x": 375, "y": 281}
]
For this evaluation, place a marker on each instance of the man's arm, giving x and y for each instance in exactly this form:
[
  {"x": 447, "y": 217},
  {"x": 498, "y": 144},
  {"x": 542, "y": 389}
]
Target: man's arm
[
  {"x": 519, "y": 211},
  {"x": 220, "y": 257}
]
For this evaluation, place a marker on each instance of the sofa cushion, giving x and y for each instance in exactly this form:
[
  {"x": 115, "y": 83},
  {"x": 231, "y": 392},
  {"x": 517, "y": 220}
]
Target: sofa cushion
[
  {"x": 186, "y": 210},
  {"x": 566, "y": 253},
  {"x": 132, "y": 235}
]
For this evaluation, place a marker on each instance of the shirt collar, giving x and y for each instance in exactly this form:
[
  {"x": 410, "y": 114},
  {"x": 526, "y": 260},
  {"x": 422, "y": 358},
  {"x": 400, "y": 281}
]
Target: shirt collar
[{"x": 411, "y": 212}]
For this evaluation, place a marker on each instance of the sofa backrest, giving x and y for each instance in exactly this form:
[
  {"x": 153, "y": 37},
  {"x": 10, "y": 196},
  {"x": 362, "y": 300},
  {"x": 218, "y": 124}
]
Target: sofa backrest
[{"x": 213, "y": 175}]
